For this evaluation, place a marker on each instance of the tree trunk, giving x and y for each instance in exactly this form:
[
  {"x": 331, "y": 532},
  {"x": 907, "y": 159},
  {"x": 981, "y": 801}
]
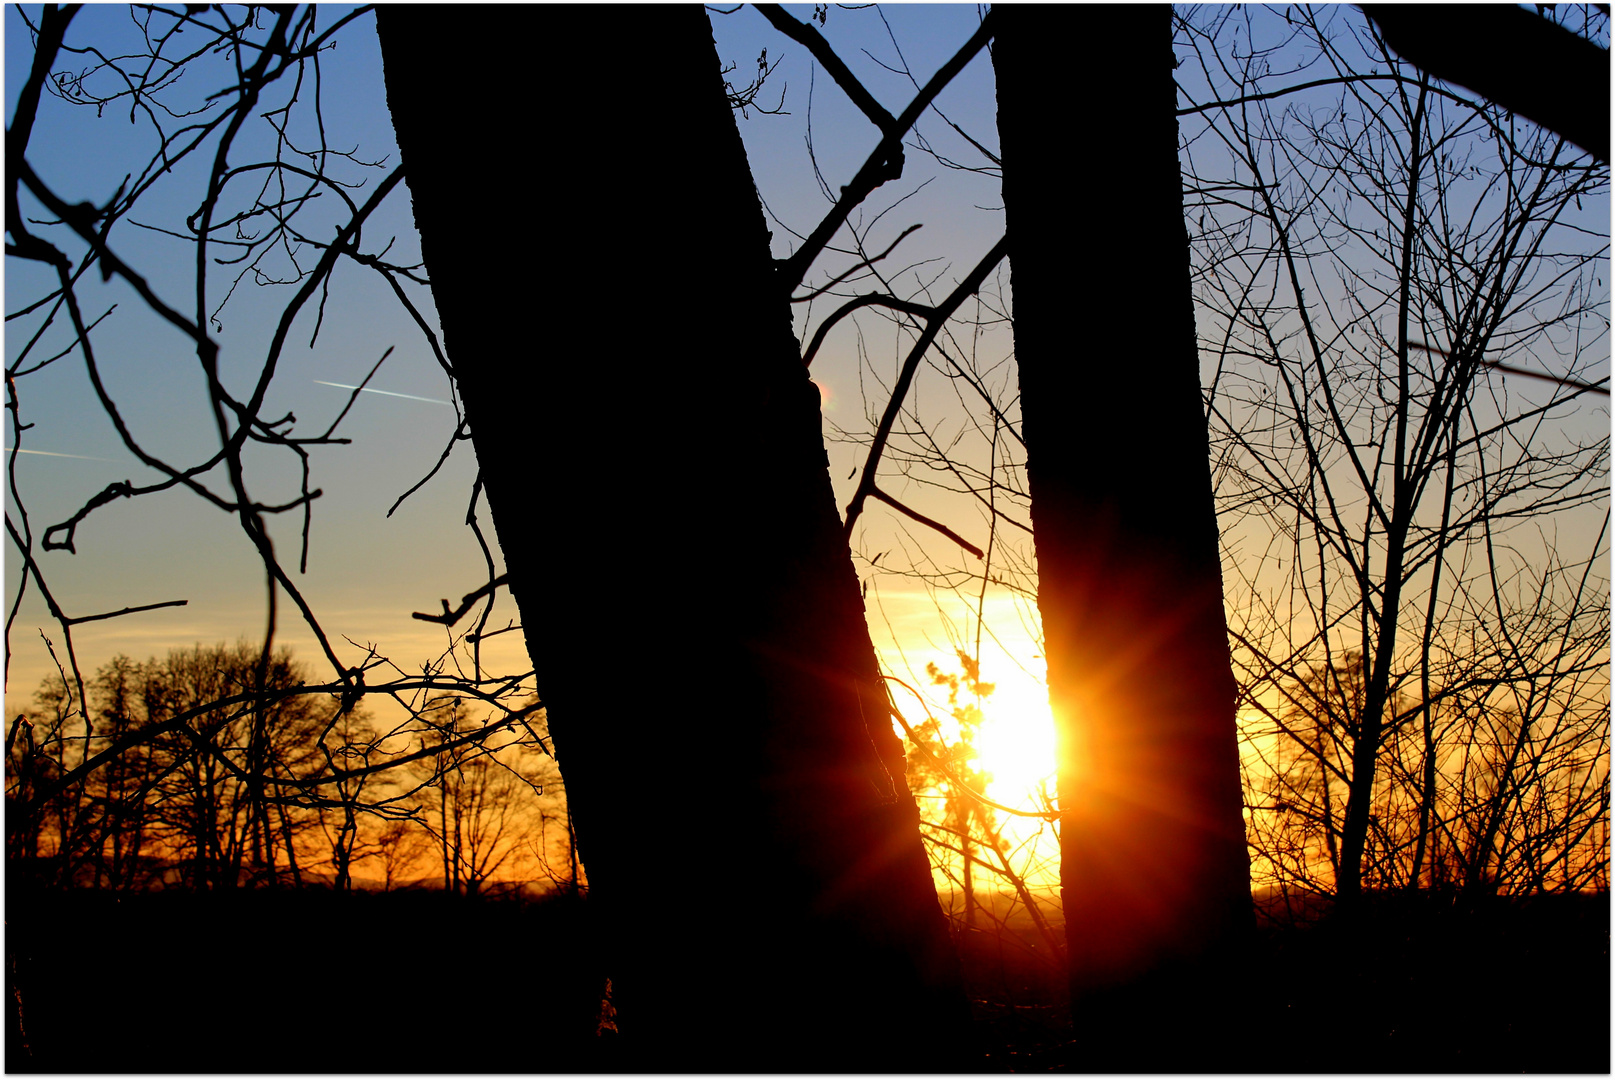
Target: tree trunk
[
  {"x": 1522, "y": 61},
  {"x": 1154, "y": 869},
  {"x": 1404, "y": 500},
  {"x": 650, "y": 446}
]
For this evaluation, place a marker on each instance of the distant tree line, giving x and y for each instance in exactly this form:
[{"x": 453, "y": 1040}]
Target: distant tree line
[{"x": 205, "y": 784}]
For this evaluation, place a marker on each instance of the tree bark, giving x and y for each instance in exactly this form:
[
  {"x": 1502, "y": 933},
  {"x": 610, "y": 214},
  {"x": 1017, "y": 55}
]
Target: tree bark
[
  {"x": 1154, "y": 870},
  {"x": 651, "y": 451}
]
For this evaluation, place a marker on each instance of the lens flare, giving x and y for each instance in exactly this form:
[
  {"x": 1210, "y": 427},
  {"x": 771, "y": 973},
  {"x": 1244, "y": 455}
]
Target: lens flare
[{"x": 825, "y": 397}]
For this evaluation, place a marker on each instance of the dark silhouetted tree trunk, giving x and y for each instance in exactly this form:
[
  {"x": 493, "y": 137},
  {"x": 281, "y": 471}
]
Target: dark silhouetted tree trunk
[
  {"x": 650, "y": 446},
  {"x": 1154, "y": 869},
  {"x": 1524, "y": 62}
]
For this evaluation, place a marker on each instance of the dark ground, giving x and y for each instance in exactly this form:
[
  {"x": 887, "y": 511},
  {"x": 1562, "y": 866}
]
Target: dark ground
[
  {"x": 1418, "y": 984},
  {"x": 421, "y": 982},
  {"x": 300, "y": 981}
]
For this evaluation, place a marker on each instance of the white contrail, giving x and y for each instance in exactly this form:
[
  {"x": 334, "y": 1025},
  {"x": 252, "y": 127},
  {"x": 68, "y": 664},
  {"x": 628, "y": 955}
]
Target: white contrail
[
  {"x": 52, "y": 453},
  {"x": 389, "y": 393}
]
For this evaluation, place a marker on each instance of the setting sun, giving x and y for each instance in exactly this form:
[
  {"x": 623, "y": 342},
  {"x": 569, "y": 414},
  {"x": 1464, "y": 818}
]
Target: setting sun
[
  {"x": 1015, "y": 743},
  {"x": 985, "y": 728}
]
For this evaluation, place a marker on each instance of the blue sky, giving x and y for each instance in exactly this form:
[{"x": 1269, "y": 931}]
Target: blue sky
[{"x": 367, "y": 572}]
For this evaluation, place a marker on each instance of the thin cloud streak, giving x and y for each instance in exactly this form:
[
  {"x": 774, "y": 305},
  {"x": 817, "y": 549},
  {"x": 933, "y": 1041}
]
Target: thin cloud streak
[
  {"x": 389, "y": 393},
  {"x": 52, "y": 453}
]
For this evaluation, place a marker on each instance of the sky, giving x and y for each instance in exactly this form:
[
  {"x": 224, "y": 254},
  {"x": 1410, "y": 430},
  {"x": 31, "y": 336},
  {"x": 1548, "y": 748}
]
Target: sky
[{"x": 367, "y": 571}]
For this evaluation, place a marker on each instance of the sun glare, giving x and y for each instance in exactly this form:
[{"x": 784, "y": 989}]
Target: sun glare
[
  {"x": 1015, "y": 744},
  {"x": 1015, "y": 747}
]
